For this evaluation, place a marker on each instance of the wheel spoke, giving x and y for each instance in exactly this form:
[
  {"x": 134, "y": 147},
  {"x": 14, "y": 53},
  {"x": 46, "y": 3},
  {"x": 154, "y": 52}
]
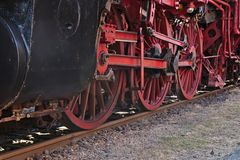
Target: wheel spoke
[
  {"x": 146, "y": 44},
  {"x": 99, "y": 96},
  {"x": 196, "y": 47},
  {"x": 188, "y": 34},
  {"x": 182, "y": 73},
  {"x": 185, "y": 82},
  {"x": 191, "y": 82},
  {"x": 92, "y": 101},
  {"x": 75, "y": 105},
  {"x": 71, "y": 104},
  {"x": 107, "y": 87},
  {"x": 158, "y": 88},
  {"x": 194, "y": 40},
  {"x": 149, "y": 90},
  {"x": 153, "y": 94},
  {"x": 161, "y": 81},
  {"x": 146, "y": 82},
  {"x": 84, "y": 102}
]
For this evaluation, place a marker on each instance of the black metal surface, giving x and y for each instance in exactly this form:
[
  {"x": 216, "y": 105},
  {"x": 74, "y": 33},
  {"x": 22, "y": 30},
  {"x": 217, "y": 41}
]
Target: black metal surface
[
  {"x": 13, "y": 61},
  {"x": 61, "y": 39}
]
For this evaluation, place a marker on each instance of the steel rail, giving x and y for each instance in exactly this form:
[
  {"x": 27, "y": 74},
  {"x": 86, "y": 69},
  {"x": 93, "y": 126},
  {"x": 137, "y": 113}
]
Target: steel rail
[{"x": 30, "y": 151}]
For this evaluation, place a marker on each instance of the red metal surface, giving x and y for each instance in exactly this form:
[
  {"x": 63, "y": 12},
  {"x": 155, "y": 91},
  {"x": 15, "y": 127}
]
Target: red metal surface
[
  {"x": 220, "y": 49},
  {"x": 124, "y": 36},
  {"x": 111, "y": 35},
  {"x": 146, "y": 33},
  {"x": 154, "y": 85},
  {"x": 188, "y": 78},
  {"x": 91, "y": 108},
  {"x": 142, "y": 65},
  {"x": 94, "y": 106},
  {"x": 144, "y": 43},
  {"x": 135, "y": 62},
  {"x": 155, "y": 90},
  {"x": 102, "y": 66},
  {"x": 137, "y": 42},
  {"x": 236, "y": 24},
  {"x": 168, "y": 39},
  {"x": 211, "y": 34}
]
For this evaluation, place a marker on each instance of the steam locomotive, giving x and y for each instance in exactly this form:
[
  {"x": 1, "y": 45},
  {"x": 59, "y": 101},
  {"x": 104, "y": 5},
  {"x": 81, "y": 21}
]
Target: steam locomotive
[{"x": 79, "y": 59}]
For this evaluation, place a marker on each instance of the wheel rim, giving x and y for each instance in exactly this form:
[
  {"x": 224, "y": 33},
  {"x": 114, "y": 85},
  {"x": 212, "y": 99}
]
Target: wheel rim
[
  {"x": 220, "y": 63},
  {"x": 156, "y": 88},
  {"x": 188, "y": 78},
  {"x": 156, "y": 83},
  {"x": 94, "y": 105}
]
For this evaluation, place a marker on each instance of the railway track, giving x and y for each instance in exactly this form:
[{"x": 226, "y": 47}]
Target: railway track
[{"x": 31, "y": 150}]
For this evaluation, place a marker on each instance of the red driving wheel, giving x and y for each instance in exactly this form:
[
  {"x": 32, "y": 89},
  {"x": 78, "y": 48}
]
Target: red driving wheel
[
  {"x": 156, "y": 82},
  {"x": 94, "y": 105},
  {"x": 188, "y": 78}
]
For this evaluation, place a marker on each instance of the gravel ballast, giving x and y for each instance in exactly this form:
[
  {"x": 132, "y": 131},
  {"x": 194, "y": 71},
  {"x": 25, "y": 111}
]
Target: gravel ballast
[{"x": 205, "y": 129}]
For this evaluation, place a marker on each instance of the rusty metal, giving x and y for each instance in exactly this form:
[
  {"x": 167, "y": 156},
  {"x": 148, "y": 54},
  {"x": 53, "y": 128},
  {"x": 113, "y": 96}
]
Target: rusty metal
[{"x": 18, "y": 115}]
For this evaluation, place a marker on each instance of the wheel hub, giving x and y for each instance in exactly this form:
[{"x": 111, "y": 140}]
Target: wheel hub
[{"x": 193, "y": 54}]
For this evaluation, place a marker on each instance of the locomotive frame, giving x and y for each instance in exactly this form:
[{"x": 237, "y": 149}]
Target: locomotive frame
[{"x": 143, "y": 50}]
